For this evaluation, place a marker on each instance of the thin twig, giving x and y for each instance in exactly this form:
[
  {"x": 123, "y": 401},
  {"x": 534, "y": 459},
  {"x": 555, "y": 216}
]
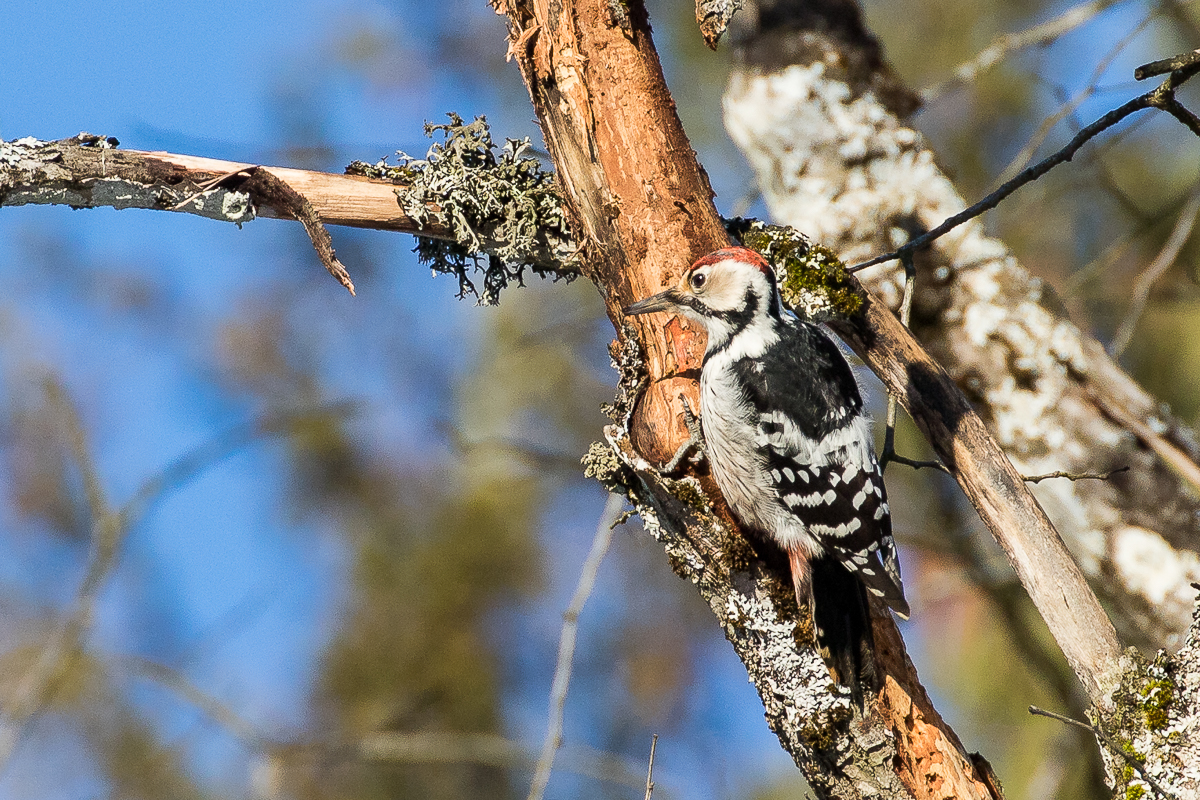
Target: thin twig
[
  {"x": 1028, "y": 175},
  {"x": 650, "y": 769},
  {"x": 1161, "y": 98},
  {"x": 889, "y": 432},
  {"x": 1022, "y": 159},
  {"x": 1041, "y": 712},
  {"x": 1075, "y": 476},
  {"x": 566, "y": 645},
  {"x": 1166, "y": 65},
  {"x": 1006, "y": 44},
  {"x": 915, "y": 464},
  {"x": 1166, "y": 257},
  {"x": 1133, "y": 761},
  {"x": 1183, "y": 114}
]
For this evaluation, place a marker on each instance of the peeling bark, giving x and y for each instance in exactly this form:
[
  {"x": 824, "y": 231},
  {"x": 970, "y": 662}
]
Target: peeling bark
[
  {"x": 89, "y": 171},
  {"x": 820, "y": 118}
]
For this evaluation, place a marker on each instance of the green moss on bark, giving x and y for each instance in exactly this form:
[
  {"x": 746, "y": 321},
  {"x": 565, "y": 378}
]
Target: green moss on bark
[{"x": 812, "y": 279}]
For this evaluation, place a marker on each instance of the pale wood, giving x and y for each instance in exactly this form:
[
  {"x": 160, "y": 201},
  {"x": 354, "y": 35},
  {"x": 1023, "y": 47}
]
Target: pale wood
[
  {"x": 85, "y": 175},
  {"x": 350, "y": 200},
  {"x": 1046, "y": 569}
]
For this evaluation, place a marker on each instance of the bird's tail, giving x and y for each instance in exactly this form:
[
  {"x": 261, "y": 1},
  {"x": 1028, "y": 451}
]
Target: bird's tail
[{"x": 842, "y": 624}]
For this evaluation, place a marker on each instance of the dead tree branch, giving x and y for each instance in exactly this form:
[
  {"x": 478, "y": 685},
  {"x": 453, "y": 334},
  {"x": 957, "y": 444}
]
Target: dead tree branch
[
  {"x": 89, "y": 171},
  {"x": 998, "y": 492}
]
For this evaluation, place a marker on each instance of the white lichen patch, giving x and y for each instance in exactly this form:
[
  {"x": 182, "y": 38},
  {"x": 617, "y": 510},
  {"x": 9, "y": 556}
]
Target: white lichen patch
[
  {"x": 809, "y": 304},
  {"x": 1066, "y": 346},
  {"x": 1153, "y": 569},
  {"x": 1179, "y": 764},
  {"x": 799, "y": 130},
  {"x": 236, "y": 206},
  {"x": 12, "y": 153}
]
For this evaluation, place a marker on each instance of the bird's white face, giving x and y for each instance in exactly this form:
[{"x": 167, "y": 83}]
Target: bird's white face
[
  {"x": 724, "y": 291},
  {"x": 720, "y": 287}
]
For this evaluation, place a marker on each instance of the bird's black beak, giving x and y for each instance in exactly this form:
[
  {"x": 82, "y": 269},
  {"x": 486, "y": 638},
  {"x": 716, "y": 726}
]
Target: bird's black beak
[{"x": 663, "y": 301}]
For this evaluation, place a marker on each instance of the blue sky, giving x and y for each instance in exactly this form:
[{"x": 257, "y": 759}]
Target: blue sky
[{"x": 221, "y": 80}]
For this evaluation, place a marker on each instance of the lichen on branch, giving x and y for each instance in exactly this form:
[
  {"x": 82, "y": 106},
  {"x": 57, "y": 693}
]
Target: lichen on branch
[
  {"x": 813, "y": 281},
  {"x": 503, "y": 207}
]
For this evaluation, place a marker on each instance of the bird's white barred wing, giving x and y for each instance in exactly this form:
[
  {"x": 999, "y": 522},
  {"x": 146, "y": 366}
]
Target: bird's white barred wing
[{"x": 844, "y": 507}]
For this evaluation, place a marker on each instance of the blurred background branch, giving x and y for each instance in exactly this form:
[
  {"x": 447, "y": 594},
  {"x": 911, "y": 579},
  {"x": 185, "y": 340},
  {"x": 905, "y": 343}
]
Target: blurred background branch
[
  {"x": 109, "y": 529},
  {"x": 566, "y": 643},
  {"x": 1005, "y": 45}
]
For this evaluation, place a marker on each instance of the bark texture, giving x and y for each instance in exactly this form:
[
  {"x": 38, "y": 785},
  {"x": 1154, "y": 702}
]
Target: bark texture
[
  {"x": 1151, "y": 742},
  {"x": 820, "y": 118},
  {"x": 640, "y": 208}
]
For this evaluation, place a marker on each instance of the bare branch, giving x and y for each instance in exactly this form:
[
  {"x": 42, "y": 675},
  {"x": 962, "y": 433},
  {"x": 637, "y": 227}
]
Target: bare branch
[
  {"x": 90, "y": 171},
  {"x": 1006, "y": 44},
  {"x": 1028, "y": 175},
  {"x": 1162, "y": 97},
  {"x": 999, "y": 494},
  {"x": 1038, "y": 712},
  {"x": 1153, "y": 271},
  {"x": 566, "y": 643},
  {"x": 1173, "y": 64},
  {"x": 1183, "y": 114},
  {"x": 650, "y": 769},
  {"x": 1075, "y": 476},
  {"x": 1097, "y": 731},
  {"x": 886, "y": 458}
]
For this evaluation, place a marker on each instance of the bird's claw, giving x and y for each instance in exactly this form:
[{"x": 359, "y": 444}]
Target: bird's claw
[{"x": 694, "y": 443}]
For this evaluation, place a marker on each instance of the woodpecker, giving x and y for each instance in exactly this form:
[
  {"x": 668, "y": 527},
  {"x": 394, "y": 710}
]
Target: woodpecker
[{"x": 791, "y": 448}]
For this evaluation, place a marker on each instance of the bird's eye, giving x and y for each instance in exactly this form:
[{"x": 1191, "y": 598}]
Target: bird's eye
[{"x": 698, "y": 280}]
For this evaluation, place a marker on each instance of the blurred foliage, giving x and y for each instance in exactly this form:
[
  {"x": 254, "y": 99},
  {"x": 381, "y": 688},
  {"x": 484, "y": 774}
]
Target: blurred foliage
[{"x": 404, "y": 567}]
